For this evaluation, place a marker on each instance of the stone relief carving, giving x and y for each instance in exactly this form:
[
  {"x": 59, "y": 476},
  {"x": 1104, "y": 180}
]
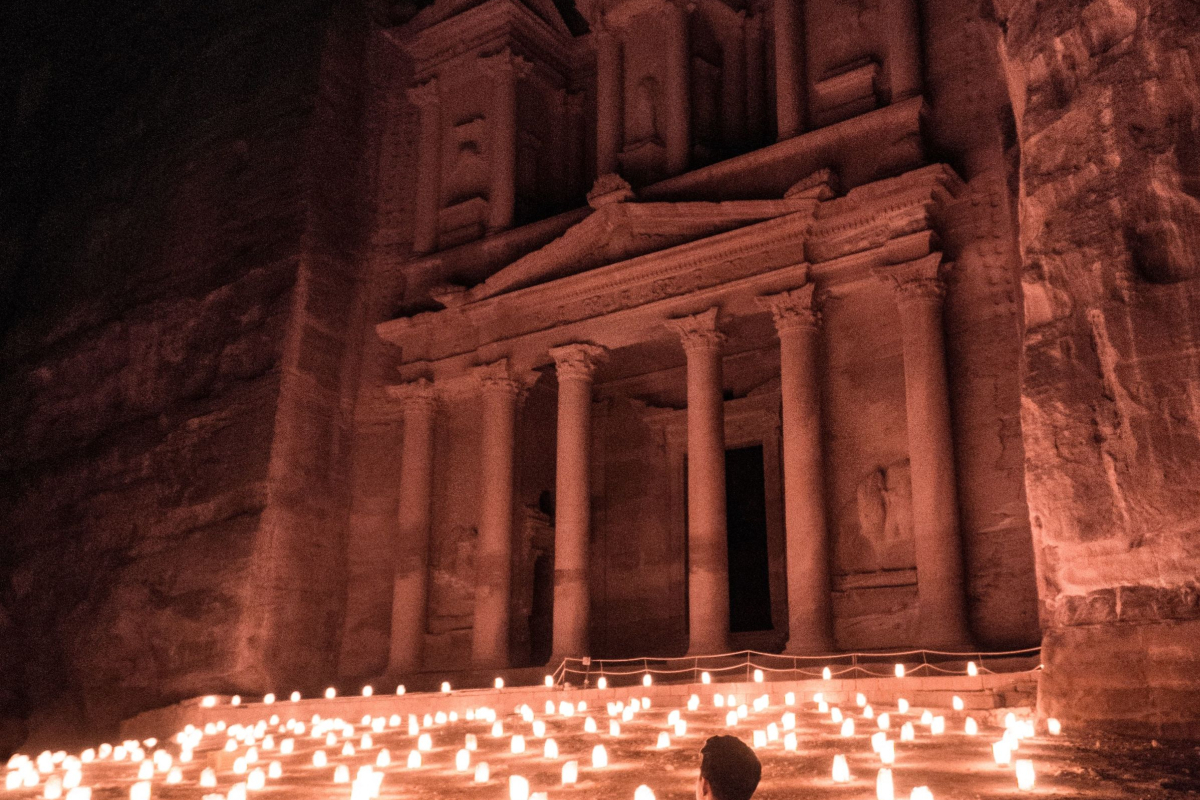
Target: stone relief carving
[
  {"x": 877, "y": 534},
  {"x": 452, "y": 581}
]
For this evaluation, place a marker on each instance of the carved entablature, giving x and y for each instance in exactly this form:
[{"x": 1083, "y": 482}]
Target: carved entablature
[{"x": 545, "y": 304}]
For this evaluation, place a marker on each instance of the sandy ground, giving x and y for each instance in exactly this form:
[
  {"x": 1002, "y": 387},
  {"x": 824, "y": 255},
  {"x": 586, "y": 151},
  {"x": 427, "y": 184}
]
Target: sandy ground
[{"x": 954, "y": 766}]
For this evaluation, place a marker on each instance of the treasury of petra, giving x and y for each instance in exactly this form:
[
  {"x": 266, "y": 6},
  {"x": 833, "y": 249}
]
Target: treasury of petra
[{"x": 449, "y": 340}]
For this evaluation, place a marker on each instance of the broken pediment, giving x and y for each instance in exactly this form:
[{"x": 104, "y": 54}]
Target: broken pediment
[{"x": 620, "y": 230}]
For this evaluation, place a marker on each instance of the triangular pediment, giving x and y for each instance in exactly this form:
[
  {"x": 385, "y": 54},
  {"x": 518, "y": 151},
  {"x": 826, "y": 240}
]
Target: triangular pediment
[{"x": 621, "y": 231}]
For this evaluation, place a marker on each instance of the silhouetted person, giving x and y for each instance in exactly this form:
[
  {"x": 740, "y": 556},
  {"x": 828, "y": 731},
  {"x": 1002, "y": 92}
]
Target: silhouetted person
[{"x": 729, "y": 770}]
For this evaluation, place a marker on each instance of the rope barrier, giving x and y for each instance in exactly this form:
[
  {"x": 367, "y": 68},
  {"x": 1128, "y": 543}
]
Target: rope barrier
[{"x": 753, "y": 659}]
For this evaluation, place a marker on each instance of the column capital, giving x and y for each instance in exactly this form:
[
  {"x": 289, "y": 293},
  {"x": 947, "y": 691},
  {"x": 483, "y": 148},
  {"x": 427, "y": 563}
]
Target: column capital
[
  {"x": 506, "y": 62},
  {"x": 420, "y": 395},
  {"x": 793, "y": 310},
  {"x": 425, "y": 94},
  {"x": 698, "y": 331},
  {"x": 920, "y": 280},
  {"x": 577, "y": 362},
  {"x": 498, "y": 377}
]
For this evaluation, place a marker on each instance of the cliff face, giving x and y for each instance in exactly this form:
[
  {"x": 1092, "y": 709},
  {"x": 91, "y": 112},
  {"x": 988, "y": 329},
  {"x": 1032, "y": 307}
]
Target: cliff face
[
  {"x": 1108, "y": 111},
  {"x": 162, "y": 347}
]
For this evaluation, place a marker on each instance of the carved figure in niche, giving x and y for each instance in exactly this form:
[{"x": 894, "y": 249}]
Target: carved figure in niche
[
  {"x": 468, "y": 172},
  {"x": 452, "y": 581},
  {"x": 643, "y": 121},
  {"x": 884, "y": 536}
]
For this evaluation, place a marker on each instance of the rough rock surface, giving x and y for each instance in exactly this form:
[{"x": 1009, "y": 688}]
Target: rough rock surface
[
  {"x": 1108, "y": 110},
  {"x": 170, "y": 410}
]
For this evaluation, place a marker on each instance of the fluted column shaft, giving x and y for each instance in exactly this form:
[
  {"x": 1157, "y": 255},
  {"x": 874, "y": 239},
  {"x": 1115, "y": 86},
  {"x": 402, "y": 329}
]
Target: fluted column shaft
[
  {"x": 902, "y": 44},
  {"x": 810, "y": 613},
  {"x": 609, "y": 119},
  {"x": 572, "y": 499},
  {"x": 733, "y": 86},
  {"x": 708, "y": 553},
  {"x": 677, "y": 89},
  {"x": 940, "y": 574},
  {"x": 411, "y": 576},
  {"x": 493, "y": 555},
  {"x": 429, "y": 166}
]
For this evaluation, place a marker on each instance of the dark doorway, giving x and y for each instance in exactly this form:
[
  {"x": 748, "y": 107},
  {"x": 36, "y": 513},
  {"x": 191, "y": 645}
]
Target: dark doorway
[
  {"x": 541, "y": 617},
  {"x": 746, "y": 519}
]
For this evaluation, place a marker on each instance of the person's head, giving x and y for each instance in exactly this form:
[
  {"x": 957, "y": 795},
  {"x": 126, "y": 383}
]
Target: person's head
[{"x": 729, "y": 770}]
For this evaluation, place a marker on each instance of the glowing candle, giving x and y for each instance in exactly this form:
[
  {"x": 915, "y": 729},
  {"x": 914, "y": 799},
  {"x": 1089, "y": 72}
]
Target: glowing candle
[
  {"x": 680, "y": 727},
  {"x": 643, "y": 792},
  {"x": 80, "y": 793},
  {"x": 826, "y": 673},
  {"x": 146, "y": 769},
  {"x": 705, "y": 677},
  {"x": 719, "y": 700},
  {"x": 841, "y": 770},
  {"x": 789, "y": 721},
  {"x": 877, "y": 740},
  {"x": 539, "y": 727},
  {"x": 693, "y": 702},
  {"x": 414, "y": 759},
  {"x": 730, "y": 700},
  {"x": 602, "y": 683},
  {"x": 868, "y": 712},
  {"x": 269, "y": 698},
  {"x": 902, "y": 706},
  {"x": 1053, "y": 726},
  {"x": 731, "y": 719},
  {"x": 89, "y": 755},
  {"x": 140, "y": 791},
  {"x": 53, "y": 789},
  {"x": 208, "y": 778},
  {"x": 1025, "y": 775},
  {"x": 481, "y": 772},
  {"x": 758, "y": 676},
  {"x": 330, "y": 693},
  {"x": 1010, "y": 739},
  {"x": 287, "y": 746},
  {"x": 887, "y": 752},
  {"x": 957, "y": 702},
  {"x": 664, "y": 741},
  {"x": 972, "y": 670},
  {"x": 899, "y": 670},
  {"x": 566, "y": 709},
  {"x": 348, "y": 749},
  {"x": 599, "y": 757},
  {"x": 823, "y": 707},
  {"x": 860, "y": 699},
  {"x": 589, "y": 725},
  {"x": 74, "y": 777},
  {"x": 614, "y": 728},
  {"x": 570, "y": 773},
  {"x": 772, "y": 732},
  {"x": 275, "y": 769},
  {"x": 424, "y": 742},
  {"x": 884, "y": 721},
  {"x": 884, "y": 789},
  {"x": 789, "y": 741},
  {"x": 518, "y": 788},
  {"x": 937, "y": 726},
  {"x": 970, "y": 727},
  {"x": 927, "y": 717},
  {"x": 208, "y": 702},
  {"x": 237, "y": 792},
  {"x": 921, "y": 793},
  {"x": 341, "y": 774},
  {"x": 239, "y": 766},
  {"x": 907, "y": 732},
  {"x": 1001, "y": 753},
  {"x": 835, "y": 714},
  {"x": 440, "y": 718},
  {"x": 627, "y": 714},
  {"x": 760, "y": 739},
  {"x": 462, "y": 760},
  {"x": 445, "y": 687},
  {"x": 848, "y": 727},
  {"x": 497, "y": 729},
  {"x": 551, "y": 749},
  {"x": 499, "y": 683},
  {"x": 743, "y": 711}
]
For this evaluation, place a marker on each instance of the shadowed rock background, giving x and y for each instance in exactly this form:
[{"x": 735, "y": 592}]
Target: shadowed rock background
[{"x": 189, "y": 216}]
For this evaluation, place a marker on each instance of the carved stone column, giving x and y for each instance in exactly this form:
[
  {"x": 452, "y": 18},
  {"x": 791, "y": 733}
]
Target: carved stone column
[
  {"x": 789, "y": 71},
  {"x": 411, "y": 577},
  {"x": 677, "y": 87},
  {"x": 940, "y": 573},
  {"x": 429, "y": 165},
  {"x": 609, "y": 118},
  {"x": 708, "y": 554},
  {"x": 810, "y": 615},
  {"x": 493, "y": 555},
  {"x": 733, "y": 86},
  {"x": 505, "y": 68},
  {"x": 576, "y": 363},
  {"x": 756, "y": 102},
  {"x": 902, "y": 48}
]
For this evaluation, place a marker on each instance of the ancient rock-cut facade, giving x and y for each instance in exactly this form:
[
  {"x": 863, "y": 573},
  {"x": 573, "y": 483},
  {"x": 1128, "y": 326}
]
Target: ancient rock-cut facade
[
  {"x": 414, "y": 338},
  {"x": 757, "y": 282}
]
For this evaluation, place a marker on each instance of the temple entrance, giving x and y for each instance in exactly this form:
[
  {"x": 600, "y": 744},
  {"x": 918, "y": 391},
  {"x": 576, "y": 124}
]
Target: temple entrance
[
  {"x": 541, "y": 618},
  {"x": 746, "y": 522}
]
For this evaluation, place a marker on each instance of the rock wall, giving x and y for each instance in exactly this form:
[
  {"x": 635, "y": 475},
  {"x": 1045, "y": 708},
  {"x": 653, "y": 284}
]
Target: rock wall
[
  {"x": 1108, "y": 116},
  {"x": 178, "y": 257}
]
